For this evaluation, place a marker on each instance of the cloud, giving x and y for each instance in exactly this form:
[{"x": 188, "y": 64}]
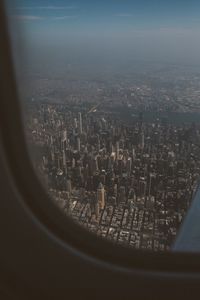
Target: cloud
[
  {"x": 28, "y": 18},
  {"x": 46, "y": 7},
  {"x": 63, "y": 18},
  {"x": 123, "y": 15},
  {"x": 39, "y": 18},
  {"x": 38, "y": 15}
]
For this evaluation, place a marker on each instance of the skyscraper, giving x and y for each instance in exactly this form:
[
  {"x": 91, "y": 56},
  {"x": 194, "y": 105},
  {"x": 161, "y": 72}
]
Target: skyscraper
[
  {"x": 64, "y": 159},
  {"x": 101, "y": 196},
  {"x": 80, "y": 123},
  {"x": 141, "y": 142},
  {"x": 142, "y": 187},
  {"x": 78, "y": 144},
  {"x": 122, "y": 194},
  {"x": 64, "y": 135},
  {"x": 75, "y": 123},
  {"x": 117, "y": 150},
  {"x": 69, "y": 186},
  {"x": 129, "y": 165}
]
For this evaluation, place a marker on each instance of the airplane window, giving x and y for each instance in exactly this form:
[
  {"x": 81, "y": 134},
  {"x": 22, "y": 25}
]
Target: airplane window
[{"x": 110, "y": 93}]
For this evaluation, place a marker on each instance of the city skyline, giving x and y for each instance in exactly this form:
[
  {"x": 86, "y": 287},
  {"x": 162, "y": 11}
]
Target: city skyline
[{"x": 124, "y": 161}]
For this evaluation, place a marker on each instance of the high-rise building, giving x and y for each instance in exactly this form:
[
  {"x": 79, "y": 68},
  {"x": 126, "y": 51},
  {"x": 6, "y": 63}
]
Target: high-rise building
[
  {"x": 98, "y": 144},
  {"x": 64, "y": 159},
  {"x": 69, "y": 186},
  {"x": 52, "y": 155},
  {"x": 73, "y": 163},
  {"x": 122, "y": 194},
  {"x": 150, "y": 182},
  {"x": 97, "y": 210},
  {"x": 82, "y": 193},
  {"x": 94, "y": 165},
  {"x": 64, "y": 135},
  {"x": 78, "y": 144},
  {"x": 133, "y": 153},
  {"x": 101, "y": 196},
  {"x": 117, "y": 150},
  {"x": 129, "y": 165},
  {"x": 141, "y": 140},
  {"x": 80, "y": 123},
  {"x": 75, "y": 123},
  {"x": 142, "y": 186},
  {"x": 115, "y": 190}
]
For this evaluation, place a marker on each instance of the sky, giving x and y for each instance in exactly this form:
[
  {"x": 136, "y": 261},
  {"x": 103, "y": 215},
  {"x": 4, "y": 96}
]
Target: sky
[{"x": 167, "y": 30}]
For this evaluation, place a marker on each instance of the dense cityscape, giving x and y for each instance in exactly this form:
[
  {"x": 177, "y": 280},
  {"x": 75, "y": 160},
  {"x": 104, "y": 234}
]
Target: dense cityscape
[{"x": 121, "y": 165}]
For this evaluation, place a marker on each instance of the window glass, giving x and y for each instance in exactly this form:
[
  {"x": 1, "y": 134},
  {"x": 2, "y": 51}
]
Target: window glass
[{"x": 110, "y": 92}]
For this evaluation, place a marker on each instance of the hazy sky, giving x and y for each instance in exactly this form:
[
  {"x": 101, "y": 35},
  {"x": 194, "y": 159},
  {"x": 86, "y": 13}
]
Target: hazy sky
[{"x": 166, "y": 30}]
